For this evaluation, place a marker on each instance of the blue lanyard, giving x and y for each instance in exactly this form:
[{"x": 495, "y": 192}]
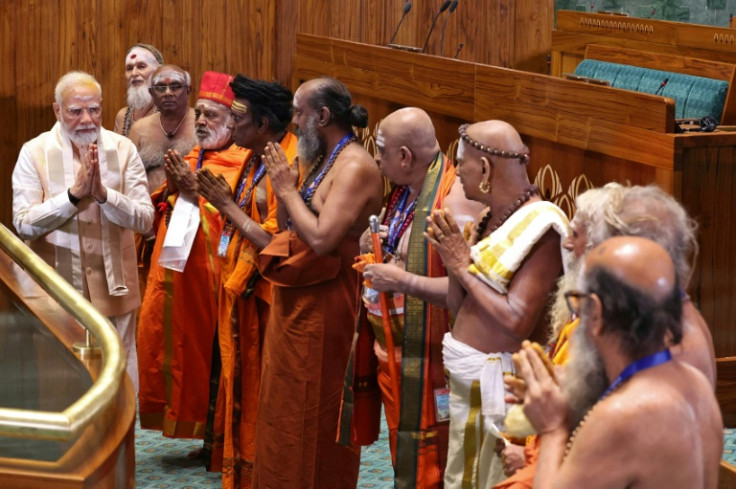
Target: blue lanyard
[
  {"x": 306, "y": 193},
  {"x": 256, "y": 179},
  {"x": 199, "y": 160},
  {"x": 637, "y": 366},
  {"x": 395, "y": 226}
]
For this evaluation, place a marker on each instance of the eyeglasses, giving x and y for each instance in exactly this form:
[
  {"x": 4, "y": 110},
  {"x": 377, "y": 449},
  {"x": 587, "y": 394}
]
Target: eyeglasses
[
  {"x": 174, "y": 87},
  {"x": 573, "y": 300},
  {"x": 76, "y": 112}
]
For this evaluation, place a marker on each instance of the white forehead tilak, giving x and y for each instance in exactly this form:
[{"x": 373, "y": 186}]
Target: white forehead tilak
[{"x": 170, "y": 76}]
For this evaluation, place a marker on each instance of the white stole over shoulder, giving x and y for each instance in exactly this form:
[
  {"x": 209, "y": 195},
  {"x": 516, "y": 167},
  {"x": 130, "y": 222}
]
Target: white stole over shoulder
[
  {"x": 61, "y": 173},
  {"x": 496, "y": 258}
]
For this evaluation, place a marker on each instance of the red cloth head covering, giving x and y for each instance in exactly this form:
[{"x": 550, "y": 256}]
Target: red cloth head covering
[{"x": 216, "y": 86}]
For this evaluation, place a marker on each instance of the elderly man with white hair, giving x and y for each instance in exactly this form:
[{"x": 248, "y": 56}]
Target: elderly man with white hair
[
  {"x": 79, "y": 194},
  {"x": 141, "y": 61}
]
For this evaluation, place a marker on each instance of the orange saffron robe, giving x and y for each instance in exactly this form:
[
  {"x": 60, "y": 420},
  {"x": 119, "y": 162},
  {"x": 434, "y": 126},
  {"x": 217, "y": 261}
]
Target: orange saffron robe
[
  {"x": 178, "y": 318},
  {"x": 243, "y": 312},
  {"x": 420, "y": 454},
  {"x": 524, "y": 477},
  {"x": 305, "y": 353}
]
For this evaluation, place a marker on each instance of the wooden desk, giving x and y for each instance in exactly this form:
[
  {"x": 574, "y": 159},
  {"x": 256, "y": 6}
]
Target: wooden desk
[{"x": 579, "y": 135}]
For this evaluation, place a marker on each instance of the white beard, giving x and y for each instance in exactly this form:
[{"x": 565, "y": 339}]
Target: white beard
[
  {"x": 309, "y": 147},
  {"x": 139, "y": 97},
  {"x": 215, "y": 139},
  {"x": 584, "y": 376},
  {"x": 81, "y": 139}
]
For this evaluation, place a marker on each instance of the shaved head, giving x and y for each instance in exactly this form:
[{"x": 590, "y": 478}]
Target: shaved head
[
  {"x": 413, "y": 128},
  {"x": 498, "y": 135},
  {"x": 637, "y": 262}
]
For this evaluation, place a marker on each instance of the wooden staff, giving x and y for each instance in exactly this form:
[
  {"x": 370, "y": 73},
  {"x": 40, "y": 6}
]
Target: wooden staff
[{"x": 373, "y": 222}]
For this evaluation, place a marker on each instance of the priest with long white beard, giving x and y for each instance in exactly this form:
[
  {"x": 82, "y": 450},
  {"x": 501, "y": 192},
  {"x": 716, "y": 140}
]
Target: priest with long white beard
[
  {"x": 141, "y": 61},
  {"x": 79, "y": 194}
]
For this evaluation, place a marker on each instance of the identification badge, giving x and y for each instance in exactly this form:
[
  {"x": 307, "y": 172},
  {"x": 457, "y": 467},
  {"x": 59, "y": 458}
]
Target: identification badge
[
  {"x": 224, "y": 243},
  {"x": 442, "y": 404}
]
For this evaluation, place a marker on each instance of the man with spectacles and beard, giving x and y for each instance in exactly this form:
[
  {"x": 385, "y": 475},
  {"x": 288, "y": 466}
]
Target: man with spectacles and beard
[
  {"x": 179, "y": 313},
  {"x": 624, "y": 413},
  {"x": 79, "y": 194},
  {"x": 141, "y": 61}
]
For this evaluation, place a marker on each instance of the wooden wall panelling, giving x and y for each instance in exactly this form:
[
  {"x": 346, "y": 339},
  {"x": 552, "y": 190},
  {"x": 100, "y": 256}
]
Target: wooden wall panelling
[
  {"x": 286, "y": 15},
  {"x": 726, "y": 394},
  {"x": 9, "y": 136},
  {"x": 314, "y": 17},
  {"x": 709, "y": 178},
  {"x": 178, "y": 48},
  {"x": 532, "y": 36},
  {"x": 122, "y": 24},
  {"x": 347, "y": 19},
  {"x": 209, "y": 42}
]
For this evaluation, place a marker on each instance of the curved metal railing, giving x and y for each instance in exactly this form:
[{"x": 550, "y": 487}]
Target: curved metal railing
[{"x": 73, "y": 420}]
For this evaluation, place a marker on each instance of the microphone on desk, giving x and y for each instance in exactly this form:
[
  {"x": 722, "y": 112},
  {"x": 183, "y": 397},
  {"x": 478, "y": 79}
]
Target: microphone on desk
[
  {"x": 407, "y": 7},
  {"x": 661, "y": 86},
  {"x": 453, "y": 6},
  {"x": 457, "y": 53},
  {"x": 444, "y": 7}
]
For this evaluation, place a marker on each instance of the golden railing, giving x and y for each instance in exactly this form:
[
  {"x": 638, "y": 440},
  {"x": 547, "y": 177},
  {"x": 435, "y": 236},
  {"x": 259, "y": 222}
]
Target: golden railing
[{"x": 73, "y": 420}]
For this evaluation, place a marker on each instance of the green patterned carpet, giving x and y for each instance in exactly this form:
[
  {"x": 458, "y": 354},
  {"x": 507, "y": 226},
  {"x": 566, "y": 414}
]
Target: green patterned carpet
[{"x": 163, "y": 463}]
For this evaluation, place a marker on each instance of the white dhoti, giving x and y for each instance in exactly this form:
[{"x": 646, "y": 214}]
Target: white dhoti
[{"x": 477, "y": 413}]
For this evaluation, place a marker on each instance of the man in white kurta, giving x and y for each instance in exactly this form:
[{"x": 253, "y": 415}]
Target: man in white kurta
[{"x": 79, "y": 194}]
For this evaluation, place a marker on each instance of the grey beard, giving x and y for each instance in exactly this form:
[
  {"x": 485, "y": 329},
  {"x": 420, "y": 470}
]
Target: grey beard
[
  {"x": 139, "y": 97},
  {"x": 559, "y": 313},
  {"x": 309, "y": 147},
  {"x": 215, "y": 139},
  {"x": 584, "y": 378}
]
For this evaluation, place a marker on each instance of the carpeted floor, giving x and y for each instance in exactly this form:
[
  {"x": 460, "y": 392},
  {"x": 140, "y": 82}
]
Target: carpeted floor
[{"x": 162, "y": 463}]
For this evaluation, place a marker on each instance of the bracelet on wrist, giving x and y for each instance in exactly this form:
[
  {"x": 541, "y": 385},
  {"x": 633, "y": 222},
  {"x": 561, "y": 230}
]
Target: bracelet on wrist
[
  {"x": 74, "y": 200},
  {"x": 101, "y": 201}
]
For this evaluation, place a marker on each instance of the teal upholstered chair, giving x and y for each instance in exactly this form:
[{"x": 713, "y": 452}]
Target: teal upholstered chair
[{"x": 695, "y": 96}]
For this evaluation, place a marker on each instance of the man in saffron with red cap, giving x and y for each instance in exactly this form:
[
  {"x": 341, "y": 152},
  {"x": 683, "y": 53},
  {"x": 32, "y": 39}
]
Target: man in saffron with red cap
[{"x": 179, "y": 313}]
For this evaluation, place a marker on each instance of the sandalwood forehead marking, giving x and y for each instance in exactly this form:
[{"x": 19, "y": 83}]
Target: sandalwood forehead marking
[{"x": 239, "y": 107}]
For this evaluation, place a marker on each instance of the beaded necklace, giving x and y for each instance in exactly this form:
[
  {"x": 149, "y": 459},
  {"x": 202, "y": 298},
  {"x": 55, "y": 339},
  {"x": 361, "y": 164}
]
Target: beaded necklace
[
  {"x": 633, "y": 368},
  {"x": 228, "y": 229},
  {"x": 129, "y": 119},
  {"x": 400, "y": 217},
  {"x": 525, "y": 196},
  {"x": 307, "y": 191}
]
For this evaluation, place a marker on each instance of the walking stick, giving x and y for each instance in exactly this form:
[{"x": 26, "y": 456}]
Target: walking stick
[{"x": 373, "y": 222}]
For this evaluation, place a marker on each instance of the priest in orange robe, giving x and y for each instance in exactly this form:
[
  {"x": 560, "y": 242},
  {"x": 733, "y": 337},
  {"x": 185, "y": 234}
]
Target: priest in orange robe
[
  {"x": 261, "y": 113},
  {"x": 179, "y": 312}
]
